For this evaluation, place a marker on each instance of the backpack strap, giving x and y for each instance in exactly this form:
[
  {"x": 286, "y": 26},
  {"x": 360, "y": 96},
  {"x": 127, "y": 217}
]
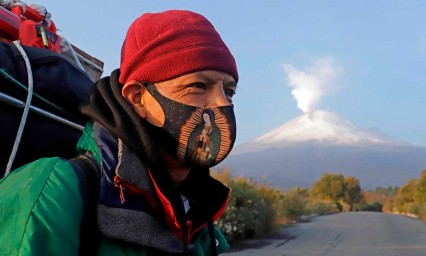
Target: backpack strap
[{"x": 88, "y": 172}]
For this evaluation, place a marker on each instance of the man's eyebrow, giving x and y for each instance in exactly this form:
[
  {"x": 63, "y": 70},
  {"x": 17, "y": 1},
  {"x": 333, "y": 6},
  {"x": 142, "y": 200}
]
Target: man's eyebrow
[
  {"x": 212, "y": 80},
  {"x": 231, "y": 84}
]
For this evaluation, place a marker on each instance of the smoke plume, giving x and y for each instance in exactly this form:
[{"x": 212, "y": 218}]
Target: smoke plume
[{"x": 311, "y": 84}]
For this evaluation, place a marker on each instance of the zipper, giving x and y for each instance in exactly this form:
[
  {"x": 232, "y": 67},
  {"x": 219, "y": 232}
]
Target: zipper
[
  {"x": 118, "y": 183},
  {"x": 125, "y": 187}
]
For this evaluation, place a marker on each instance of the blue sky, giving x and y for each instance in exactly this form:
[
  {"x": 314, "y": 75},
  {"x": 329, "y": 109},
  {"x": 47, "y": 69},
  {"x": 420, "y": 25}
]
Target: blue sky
[{"x": 377, "y": 50}]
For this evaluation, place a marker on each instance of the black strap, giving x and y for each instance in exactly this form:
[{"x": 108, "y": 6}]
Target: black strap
[
  {"x": 185, "y": 238},
  {"x": 212, "y": 238},
  {"x": 88, "y": 171}
]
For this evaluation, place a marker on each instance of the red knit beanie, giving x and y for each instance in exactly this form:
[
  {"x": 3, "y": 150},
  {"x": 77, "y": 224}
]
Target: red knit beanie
[{"x": 162, "y": 46}]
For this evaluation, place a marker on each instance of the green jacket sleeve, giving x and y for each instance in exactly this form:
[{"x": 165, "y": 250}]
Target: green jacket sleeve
[
  {"x": 202, "y": 246},
  {"x": 40, "y": 210}
]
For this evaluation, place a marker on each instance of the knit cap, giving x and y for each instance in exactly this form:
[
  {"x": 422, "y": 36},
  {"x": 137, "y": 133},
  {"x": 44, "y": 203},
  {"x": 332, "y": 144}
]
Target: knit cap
[{"x": 166, "y": 45}]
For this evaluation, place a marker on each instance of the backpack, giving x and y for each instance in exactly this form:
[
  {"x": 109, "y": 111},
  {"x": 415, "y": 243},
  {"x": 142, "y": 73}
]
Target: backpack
[
  {"x": 62, "y": 87},
  {"x": 59, "y": 88}
]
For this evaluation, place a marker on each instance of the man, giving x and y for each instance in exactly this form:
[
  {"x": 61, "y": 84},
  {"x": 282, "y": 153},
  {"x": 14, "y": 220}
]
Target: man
[{"x": 153, "y": 199}]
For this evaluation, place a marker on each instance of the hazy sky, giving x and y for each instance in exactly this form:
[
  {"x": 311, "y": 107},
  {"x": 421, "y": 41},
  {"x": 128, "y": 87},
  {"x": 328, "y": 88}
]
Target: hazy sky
[{"x": 364, "y": 60}]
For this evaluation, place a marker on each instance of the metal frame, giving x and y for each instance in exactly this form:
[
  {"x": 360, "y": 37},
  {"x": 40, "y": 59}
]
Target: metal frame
[{"x": 20, "y": 104}]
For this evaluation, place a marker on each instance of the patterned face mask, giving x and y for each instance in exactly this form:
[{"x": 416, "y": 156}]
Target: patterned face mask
[{"x": 197, "y": 136}]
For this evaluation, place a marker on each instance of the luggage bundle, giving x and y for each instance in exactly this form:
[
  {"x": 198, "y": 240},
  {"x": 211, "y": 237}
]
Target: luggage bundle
[
  {"x": 54, "y": 122},
  {"x": 33, "y": 26}
]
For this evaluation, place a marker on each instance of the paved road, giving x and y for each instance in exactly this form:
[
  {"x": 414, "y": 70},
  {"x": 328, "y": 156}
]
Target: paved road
[{"x": 345, "y": 234}]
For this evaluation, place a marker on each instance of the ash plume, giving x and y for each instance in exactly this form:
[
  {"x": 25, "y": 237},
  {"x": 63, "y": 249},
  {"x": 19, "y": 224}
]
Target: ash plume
[{"x": 312, "y": 83}]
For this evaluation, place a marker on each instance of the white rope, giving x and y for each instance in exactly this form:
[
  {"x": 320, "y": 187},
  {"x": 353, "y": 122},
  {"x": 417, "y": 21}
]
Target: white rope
[
  {"x": 78, "y": 58},
  {"x": 67, "y": 46},
  {"x": 91, "y": 63},
  {"x": 26, "y": 108}
]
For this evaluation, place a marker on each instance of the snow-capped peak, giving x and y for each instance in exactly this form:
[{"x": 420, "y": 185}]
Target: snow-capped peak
[{"x": 324, "y": 126}]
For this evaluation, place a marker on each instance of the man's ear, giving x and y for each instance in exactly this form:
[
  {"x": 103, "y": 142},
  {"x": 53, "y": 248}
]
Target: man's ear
[{"x": 132, "y": 91}]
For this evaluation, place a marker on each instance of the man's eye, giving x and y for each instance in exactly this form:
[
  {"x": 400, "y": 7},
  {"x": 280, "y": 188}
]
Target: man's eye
[
  {"x": 199, "y": 85},
  {"x": 230, "y": 92}
]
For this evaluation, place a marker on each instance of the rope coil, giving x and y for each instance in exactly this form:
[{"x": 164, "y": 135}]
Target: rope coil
[{"x": 26, "y": 108}]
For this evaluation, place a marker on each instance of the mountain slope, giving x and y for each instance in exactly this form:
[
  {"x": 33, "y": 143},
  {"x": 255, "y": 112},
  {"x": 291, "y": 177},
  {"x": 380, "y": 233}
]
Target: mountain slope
[
  {"x": 320, "y": 126},
  {"x": 324, "y": 126},
  {"x": 298, "y": 152}
]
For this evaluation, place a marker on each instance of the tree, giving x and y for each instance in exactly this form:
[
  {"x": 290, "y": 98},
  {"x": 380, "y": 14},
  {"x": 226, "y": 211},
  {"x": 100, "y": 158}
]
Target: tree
[
  {"x": 388, "y": 191},
  {"x": 420, "y": 191},
  {"x": 420, "y": 196},
  {"x": 405, "y": 195},
  {"x": 329, "y": 187},
  {"x": 352, "y": 191}
]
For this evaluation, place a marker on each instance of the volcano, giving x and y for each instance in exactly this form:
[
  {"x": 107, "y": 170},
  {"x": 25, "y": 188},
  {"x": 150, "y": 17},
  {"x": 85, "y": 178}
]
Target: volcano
[{"x": 298, "y": 152}]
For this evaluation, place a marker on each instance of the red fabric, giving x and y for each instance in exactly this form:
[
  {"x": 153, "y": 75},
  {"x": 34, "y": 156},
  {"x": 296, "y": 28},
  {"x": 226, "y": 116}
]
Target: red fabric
[
  {"x": 162, "y": 46},
  {"x": 169, "y": 213},
  {"x": 30, "y": 35},
  {"x": 9, "y": 25},
  {"x": 170, "y": 216},
  {"x": 134, "y": 190},
  {"x": 33, "y": 15}
]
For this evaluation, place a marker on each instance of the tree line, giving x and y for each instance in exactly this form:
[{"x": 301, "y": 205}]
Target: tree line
[{"x": 257, "y": 208}]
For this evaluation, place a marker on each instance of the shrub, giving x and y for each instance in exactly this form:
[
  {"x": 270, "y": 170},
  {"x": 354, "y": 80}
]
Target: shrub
[
  {"x": 251, "y": 211},
  {"x": 422, "y": 211},
  {"x": 293, "y": 204},
  {"x": 371, "y": 207},
  {"x": 321, "y": 207}
]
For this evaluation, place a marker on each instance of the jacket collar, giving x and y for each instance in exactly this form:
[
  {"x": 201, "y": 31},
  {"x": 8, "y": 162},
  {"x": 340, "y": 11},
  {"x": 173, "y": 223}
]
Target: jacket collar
[{"x": 145, "y": 207}]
